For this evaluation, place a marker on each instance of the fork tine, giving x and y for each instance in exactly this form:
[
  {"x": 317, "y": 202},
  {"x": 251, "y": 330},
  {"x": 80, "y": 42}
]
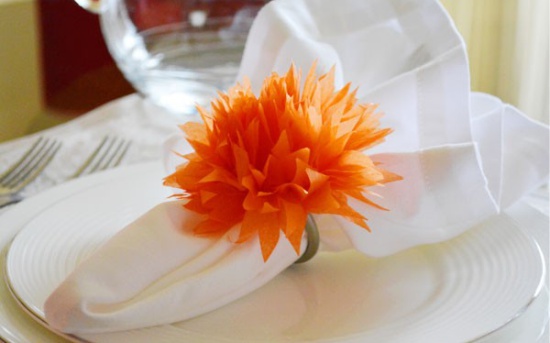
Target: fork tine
[
  {"x": 117, "y": 155},
  {"x": 108, "y": 154},
  {"x": 27, "y": 165},
  {"x": 100, "y": 164},
  {"x": 34, "y": 169},
  {"x": 90, "y": 159},
  {"x": 122, "y": 154},
  {"x": 12, "y": 171}
]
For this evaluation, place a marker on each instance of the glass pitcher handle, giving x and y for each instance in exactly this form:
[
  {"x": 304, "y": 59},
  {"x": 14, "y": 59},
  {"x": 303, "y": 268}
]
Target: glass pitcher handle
[{"x": 94, "y": 6}]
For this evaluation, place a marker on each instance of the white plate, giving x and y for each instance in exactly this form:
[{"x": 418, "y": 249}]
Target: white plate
[
  {"x": 456, "y": 291},
  {"x": 15, "y": 325}
]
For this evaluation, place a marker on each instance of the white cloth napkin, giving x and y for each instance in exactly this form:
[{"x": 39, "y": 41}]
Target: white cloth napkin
[{"x": 463, "y": 156}]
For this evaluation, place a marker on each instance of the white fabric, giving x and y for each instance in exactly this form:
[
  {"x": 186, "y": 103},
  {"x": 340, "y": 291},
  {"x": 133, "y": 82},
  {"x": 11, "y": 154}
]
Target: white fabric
[
  {"x": 152, "y": 273},
  {"x": 462, "y": 155}
]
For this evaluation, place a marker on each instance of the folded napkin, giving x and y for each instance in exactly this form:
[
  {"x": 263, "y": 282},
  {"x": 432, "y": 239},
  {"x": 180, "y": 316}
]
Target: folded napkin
[{"x": 463, "y": 157}]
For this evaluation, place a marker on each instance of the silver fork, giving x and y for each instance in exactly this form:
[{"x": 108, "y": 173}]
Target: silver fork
[
  {"x": 108, "y": 154},
  {"x": 26, "y": 169}
]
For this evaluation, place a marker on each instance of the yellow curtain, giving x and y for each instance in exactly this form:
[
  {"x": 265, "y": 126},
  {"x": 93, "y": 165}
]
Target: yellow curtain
[{"x": 507, "y": 43}]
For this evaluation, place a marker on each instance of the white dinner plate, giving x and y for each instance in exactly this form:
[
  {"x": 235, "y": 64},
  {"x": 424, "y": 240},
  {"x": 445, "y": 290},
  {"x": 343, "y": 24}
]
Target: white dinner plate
[
  {"x": 456, "y": 291},
  {"x": 15, "y": 325}
]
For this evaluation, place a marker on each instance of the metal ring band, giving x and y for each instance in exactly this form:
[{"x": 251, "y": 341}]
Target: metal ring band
[{"x": 312, "y": 241}]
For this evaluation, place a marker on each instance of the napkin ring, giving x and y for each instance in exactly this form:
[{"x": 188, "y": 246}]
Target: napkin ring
[{"x": 312, "y": 241}]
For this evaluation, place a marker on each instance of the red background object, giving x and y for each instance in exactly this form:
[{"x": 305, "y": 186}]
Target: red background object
[{"x": 78, "y": 72}]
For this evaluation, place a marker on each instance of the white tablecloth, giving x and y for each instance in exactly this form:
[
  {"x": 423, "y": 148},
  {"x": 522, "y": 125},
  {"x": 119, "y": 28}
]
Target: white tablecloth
[
  {"x": 148, "y": 127},
  {"x": 130, "y": 117}
]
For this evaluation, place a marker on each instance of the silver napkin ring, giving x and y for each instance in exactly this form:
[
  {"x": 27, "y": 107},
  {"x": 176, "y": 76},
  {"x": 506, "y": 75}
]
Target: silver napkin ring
[{"x": 312, "y": 241}]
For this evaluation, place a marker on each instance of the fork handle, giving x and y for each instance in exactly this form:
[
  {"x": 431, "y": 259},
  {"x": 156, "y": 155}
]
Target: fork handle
[{"x": 9, "y": 199}]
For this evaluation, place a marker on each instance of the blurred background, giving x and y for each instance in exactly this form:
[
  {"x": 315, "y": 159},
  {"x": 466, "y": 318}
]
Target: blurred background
[{"x": 54, "y": 65}]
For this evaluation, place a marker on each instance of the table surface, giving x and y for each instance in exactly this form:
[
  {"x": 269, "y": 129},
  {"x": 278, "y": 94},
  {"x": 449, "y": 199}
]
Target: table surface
[{"x": 148, "y": 127}]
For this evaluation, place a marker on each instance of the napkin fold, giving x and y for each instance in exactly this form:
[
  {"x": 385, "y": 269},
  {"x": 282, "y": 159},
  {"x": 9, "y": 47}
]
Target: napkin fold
[
  {"x": 463, "y": 157},
  {"x": 153, "y": 273}
]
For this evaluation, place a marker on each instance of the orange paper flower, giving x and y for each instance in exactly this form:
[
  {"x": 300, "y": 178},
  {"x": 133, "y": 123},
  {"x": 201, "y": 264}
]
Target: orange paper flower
[{"x": 266, "y": 162}]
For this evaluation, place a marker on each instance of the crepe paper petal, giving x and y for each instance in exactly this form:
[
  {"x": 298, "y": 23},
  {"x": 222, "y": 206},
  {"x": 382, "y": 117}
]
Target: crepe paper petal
[{"x": 266, "y": 162}]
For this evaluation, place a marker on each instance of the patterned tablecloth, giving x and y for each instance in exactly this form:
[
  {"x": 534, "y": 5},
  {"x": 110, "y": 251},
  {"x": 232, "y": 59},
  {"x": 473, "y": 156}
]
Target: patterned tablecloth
[{"x": 129, "y": 117}]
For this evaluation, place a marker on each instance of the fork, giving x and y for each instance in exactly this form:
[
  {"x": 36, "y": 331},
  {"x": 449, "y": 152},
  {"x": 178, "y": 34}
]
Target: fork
[
  {"x": 26, "y": 169},
  {"x": 108, "y": 154}
]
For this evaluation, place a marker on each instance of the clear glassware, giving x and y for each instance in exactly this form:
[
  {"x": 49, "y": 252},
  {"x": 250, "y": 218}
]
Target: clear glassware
[{"x": 178, "y": 53}]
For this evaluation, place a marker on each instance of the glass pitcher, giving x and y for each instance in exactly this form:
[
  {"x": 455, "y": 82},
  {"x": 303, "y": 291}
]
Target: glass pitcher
[{"x": 178, "y": 53}]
